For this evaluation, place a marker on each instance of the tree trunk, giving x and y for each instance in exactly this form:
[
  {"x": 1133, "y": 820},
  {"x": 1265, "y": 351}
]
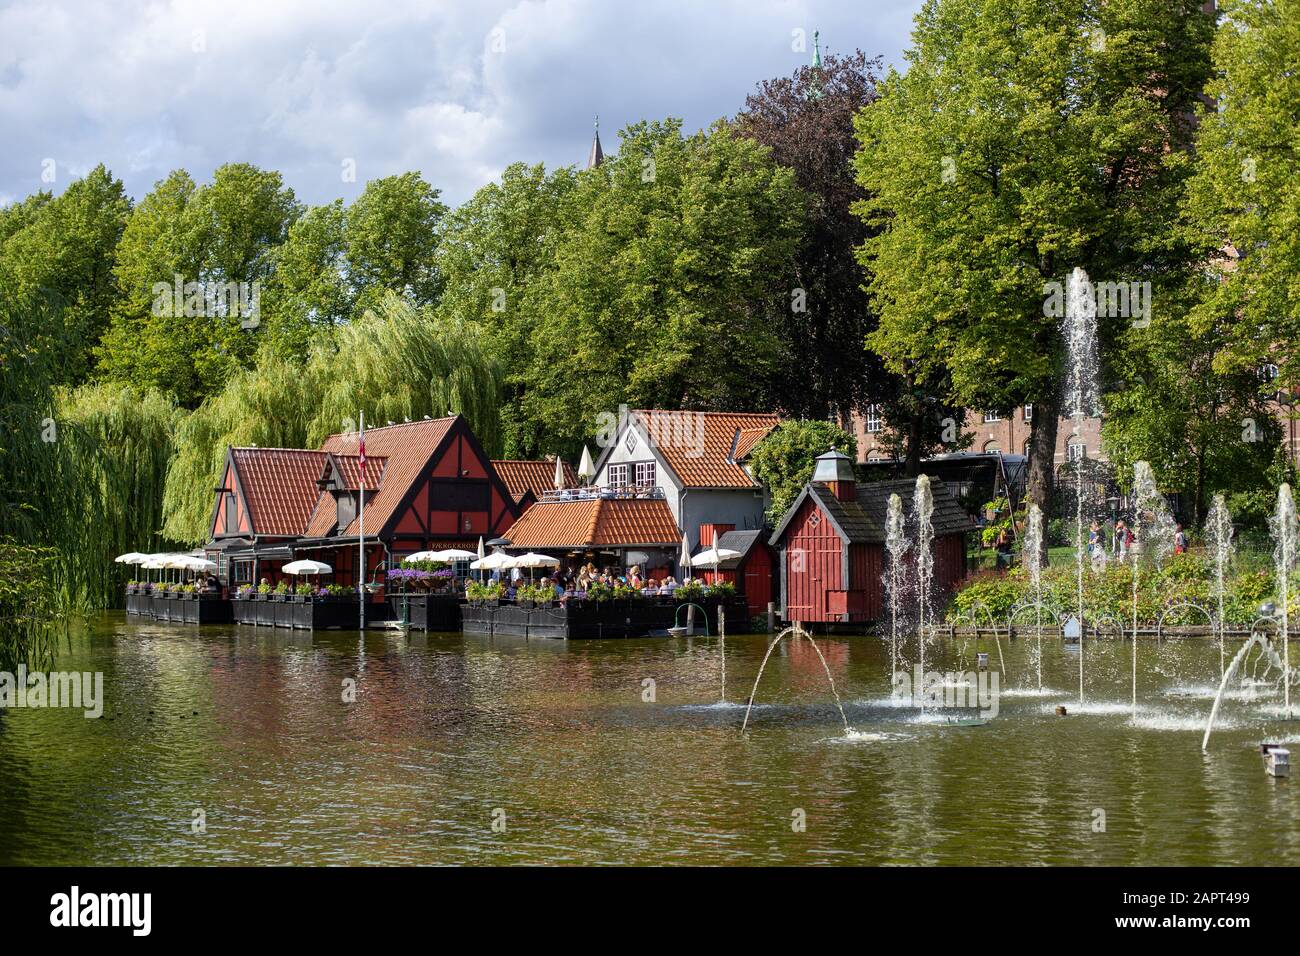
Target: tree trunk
[{"x": 1042, "y": 459}]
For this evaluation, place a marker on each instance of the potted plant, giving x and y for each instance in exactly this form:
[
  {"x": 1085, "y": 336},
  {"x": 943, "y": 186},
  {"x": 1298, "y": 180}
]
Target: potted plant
[
  {"x": 302, "y": 593},
  {"x": 598, "y": 592},
  {"x": 263, "y": 592},
  {"x": 281, "y": 591}
]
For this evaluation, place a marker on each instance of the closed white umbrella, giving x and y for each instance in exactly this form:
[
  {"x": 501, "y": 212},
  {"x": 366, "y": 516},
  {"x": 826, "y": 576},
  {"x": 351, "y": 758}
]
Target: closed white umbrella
[
  {"x": 586, "y": 467},
  {"x": 481, "y": 552},
  {"x": 559, "y": 473},
  {"x": 685, "y": 557},
  {"x": 307, "y": 567}
]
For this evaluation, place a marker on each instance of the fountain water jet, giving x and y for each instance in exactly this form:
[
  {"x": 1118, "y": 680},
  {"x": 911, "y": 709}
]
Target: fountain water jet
[
  {"x": 1218, "y": 524},
  {"x": 1080, "y": 334},
  {"x": 1155, "y": 536},
  {"x": 1284, "y": 556},
  {"x": 896, "y": 545},
  {"x": 1033, "y": 560},
  {"x": 923, "y": 513},
  {"x": 797, "y": 632}
]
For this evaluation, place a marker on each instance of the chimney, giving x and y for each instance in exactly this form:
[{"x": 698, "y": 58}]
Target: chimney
[{"x": 836, "y": 469}]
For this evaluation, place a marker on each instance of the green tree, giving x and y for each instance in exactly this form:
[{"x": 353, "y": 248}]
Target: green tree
[
  {"x": 1027, "y": 138},
  {"x": 665, "y": 292},
  {"x": 784, "y": 460},
  {"x": 65, "y": 246},
  {"x": 1202, "y": 430},
  {"x": 807, "y": 122},
  {"x": 492, "y": 251},
  {"x": 1244, "y": 205},
  {"x": 185, "y": 252}
]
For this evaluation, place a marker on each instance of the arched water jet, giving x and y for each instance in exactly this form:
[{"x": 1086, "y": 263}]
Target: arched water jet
[
  {"x": 1266, "y": 650},
  {"x": 797, "y": 632}
]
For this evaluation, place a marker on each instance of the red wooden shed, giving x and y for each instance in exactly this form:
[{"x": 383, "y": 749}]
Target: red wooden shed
[
  {"x": 753, "y": 573},
  {"x": 831, "y": 544}
]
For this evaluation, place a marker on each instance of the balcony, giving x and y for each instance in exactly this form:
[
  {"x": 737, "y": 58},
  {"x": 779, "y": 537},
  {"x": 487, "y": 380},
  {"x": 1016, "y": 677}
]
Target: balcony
[{"x": 593, "y": 492}]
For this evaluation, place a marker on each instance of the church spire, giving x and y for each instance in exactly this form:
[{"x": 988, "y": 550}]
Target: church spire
[
  {"x": 815, "y": 86},
  {"x": 597, "y": 155}
]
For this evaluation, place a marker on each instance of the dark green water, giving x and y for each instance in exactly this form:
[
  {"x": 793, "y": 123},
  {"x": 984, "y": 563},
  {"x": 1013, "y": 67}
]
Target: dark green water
[{"x": 447, "y": 729}]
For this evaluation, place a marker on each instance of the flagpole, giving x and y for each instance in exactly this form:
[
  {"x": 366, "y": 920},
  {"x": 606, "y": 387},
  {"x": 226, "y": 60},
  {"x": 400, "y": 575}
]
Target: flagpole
[{"x": 361, "y": 537}]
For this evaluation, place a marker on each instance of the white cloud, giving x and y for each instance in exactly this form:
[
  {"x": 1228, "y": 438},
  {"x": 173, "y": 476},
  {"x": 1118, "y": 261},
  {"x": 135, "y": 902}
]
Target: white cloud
[{"x": 301, "y": 86}]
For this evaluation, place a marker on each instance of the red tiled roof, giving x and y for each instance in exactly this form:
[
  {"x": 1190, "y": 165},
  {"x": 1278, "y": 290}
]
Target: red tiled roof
[
  {"x": 598, "y": 522},
  {"x": 522, "y": 476},
  {"x": 350, "y": 470},
  {"x": 703, "y": 448},
  {"x": 279, "y": 486},
  {"x": 406, "y": 448}
]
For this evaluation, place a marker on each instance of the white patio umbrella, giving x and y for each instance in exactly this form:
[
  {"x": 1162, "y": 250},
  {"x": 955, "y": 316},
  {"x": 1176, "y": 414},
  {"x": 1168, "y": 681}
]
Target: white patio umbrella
[
  {"x": 534, "y": 560},
  {"x": 307, "y": 567},
  {"x": 452, "y": 554},
  {"x": 496, "y": 561},
  {"x": 586, "y": 467},
  {"x": 559, "y": 473},
  {"x": 712, "y": 557},
  {"x": 131, "y": 557},
  {"x": 481, "y": 552},
  {"x": 425, "y": 556},
  {"x": 196, "y": 563}
]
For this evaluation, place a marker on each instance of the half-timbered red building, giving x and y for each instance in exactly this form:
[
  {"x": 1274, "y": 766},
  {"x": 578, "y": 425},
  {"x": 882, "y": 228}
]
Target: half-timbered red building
[
  {"x": 427, "y": 485},
  {"x": 831, "y": 544}
]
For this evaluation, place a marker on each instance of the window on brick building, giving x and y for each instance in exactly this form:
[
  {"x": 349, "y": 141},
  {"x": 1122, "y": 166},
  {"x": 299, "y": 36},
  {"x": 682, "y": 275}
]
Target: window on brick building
[
  {"x": 992, "y": 415},
  {"x": 873, "y": 419}
]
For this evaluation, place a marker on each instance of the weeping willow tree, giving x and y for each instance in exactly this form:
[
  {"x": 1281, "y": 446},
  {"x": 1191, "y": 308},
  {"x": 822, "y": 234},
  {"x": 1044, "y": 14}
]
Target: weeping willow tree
[
  {"x": 120, "y": 443},
  {"x": 81, "y": 477},
  {"x": 397, "y": 362},
  {"x": 393, "y": 363}
]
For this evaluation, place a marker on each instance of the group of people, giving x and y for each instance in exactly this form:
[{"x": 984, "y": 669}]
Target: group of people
[
  {"x": 1124, "y": 542},
  {"x": 577, "y": 579}
]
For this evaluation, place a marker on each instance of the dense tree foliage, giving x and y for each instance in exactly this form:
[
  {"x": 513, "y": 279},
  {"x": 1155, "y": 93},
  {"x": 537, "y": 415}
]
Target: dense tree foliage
[
  {"x": 1027, "y": 138},
  {"x": 784, "y": 460},
  {"x": 807, "y": 122}
]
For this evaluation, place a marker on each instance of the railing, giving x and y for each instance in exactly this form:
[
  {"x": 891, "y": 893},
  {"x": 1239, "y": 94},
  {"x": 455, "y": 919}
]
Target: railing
[{"x": 594, "y": 492}]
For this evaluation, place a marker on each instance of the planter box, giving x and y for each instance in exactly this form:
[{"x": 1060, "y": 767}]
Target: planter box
[{"x": 427, "y": 612}]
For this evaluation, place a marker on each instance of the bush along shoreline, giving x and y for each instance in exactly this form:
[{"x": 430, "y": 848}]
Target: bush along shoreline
[{"x": 1108, "y": 593}]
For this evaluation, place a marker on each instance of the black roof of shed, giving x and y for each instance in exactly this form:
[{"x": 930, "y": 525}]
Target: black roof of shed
[{"x": 862, "y": 521}]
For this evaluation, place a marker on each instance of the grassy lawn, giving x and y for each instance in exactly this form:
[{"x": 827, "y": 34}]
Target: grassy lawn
[{"x": 980, "y": 560}]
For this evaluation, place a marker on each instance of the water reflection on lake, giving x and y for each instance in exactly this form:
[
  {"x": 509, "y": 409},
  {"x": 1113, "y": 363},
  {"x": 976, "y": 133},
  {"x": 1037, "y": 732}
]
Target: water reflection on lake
[{"x": 249, "y": 726}]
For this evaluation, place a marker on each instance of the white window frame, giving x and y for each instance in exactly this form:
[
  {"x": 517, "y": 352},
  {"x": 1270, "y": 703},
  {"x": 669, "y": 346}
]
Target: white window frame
[
  {"x": 645, "y": 474},
  {"x": 874, "y": 419},
  {"x": 1076, "y": 450},
  {"x": 616, "y": 475},
  {"x": 992, "y": 415},
  {"x": 1029, "y": 412}
]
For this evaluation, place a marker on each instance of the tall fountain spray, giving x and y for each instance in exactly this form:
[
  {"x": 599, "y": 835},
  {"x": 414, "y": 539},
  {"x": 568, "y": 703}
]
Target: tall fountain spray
[
  {"x": 1033, "y": 561},
  {"x": 896, "y": 545},
  {"x": 1284, "y": 556},
  {"x": 923, "y": 514},
  {"x": 1218, "y": 526},
  {"x": 1081, "y": 401},
  {"x": 1155, "y": 534}
]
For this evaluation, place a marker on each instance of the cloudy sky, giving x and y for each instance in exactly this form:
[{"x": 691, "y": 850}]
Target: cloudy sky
[{"x": 457, "y": 90}]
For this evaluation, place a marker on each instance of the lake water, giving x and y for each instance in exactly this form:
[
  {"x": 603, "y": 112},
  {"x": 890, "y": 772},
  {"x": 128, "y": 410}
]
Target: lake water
[{"x": 450, "y": 734}]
